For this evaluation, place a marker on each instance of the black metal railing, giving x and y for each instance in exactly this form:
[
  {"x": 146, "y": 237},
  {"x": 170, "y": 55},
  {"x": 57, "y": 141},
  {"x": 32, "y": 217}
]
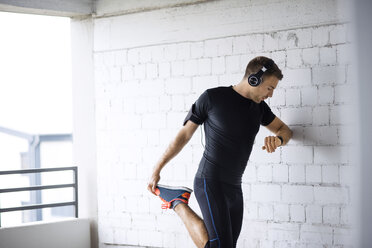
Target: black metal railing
[{"x": 41, "y": 187}]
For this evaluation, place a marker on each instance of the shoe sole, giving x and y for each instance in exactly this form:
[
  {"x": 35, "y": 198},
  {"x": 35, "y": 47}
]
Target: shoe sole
[{"x": 175, "y": 187}]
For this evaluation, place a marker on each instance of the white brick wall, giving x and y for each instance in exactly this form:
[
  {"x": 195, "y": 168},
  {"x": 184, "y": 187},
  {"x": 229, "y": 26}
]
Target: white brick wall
[{"x": 298, "y": 196}]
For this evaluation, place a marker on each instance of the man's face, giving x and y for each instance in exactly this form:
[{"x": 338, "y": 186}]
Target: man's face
[{"x": 265, "y": 89}]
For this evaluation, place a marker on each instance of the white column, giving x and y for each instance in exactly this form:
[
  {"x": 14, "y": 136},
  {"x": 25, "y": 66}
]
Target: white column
[
  {"x": 84, "y": 141},
  {"x": 362, "y": 61}
]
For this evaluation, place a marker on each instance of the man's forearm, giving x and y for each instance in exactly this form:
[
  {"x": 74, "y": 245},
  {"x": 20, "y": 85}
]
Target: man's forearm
[
  {"x": 173, "y": 149},
  {"x": 285, "y": 133}
]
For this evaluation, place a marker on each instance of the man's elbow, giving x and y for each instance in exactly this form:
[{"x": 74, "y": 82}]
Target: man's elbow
[{"x": 290, "y": 131}]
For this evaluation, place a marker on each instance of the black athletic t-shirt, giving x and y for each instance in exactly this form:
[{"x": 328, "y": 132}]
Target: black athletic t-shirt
[{"x": 231, "y": 122}]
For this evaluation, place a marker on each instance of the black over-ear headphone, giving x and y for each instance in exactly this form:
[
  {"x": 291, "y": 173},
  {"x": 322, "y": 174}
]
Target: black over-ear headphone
[{"x": 256, "y": 78}]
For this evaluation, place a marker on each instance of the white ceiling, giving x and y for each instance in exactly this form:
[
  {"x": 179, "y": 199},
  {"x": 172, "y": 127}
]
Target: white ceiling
[{"x": 97, "y": 8}]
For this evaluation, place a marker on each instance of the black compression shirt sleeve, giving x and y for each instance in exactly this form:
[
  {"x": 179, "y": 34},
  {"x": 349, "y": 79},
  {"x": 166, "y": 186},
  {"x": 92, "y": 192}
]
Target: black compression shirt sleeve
[
  {"x": 267, "y": 116},
  {"x": 199, "y": 110}
]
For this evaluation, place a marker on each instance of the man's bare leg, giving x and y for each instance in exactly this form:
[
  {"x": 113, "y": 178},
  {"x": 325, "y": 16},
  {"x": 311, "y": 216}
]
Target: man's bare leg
[{"x": 194, "y": 224}]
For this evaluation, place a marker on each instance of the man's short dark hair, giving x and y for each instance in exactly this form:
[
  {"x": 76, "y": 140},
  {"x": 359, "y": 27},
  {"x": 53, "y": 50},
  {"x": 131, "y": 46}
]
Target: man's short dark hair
[{"x": 256, "y": 64}]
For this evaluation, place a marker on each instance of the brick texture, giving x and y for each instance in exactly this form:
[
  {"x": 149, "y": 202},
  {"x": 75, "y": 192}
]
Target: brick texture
[{"x": 296, "y": 197}]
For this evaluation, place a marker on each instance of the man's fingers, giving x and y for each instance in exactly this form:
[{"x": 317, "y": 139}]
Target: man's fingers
[
  {"x": 265, "y": 148},
  {"x": 271, "y": 145},
  {"x": 150, "y": 188},
  {"x": 272, "y": 148},
  {"x": 266, "y": 144}
]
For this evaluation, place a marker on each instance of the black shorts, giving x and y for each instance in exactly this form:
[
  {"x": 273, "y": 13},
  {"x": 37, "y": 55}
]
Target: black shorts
[{"x": 222, "y": 207}]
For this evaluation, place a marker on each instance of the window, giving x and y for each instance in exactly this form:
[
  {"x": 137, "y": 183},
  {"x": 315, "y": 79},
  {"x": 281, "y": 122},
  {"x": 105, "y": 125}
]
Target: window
[{"x": 35, "y": 98}]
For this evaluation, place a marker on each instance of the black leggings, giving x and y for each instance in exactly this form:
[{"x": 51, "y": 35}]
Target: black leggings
[{"x": 222, "y": 207}]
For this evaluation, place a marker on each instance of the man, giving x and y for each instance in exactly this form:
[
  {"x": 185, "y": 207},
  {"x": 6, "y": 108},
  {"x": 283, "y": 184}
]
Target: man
[{"x": 232, "y": 117}]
